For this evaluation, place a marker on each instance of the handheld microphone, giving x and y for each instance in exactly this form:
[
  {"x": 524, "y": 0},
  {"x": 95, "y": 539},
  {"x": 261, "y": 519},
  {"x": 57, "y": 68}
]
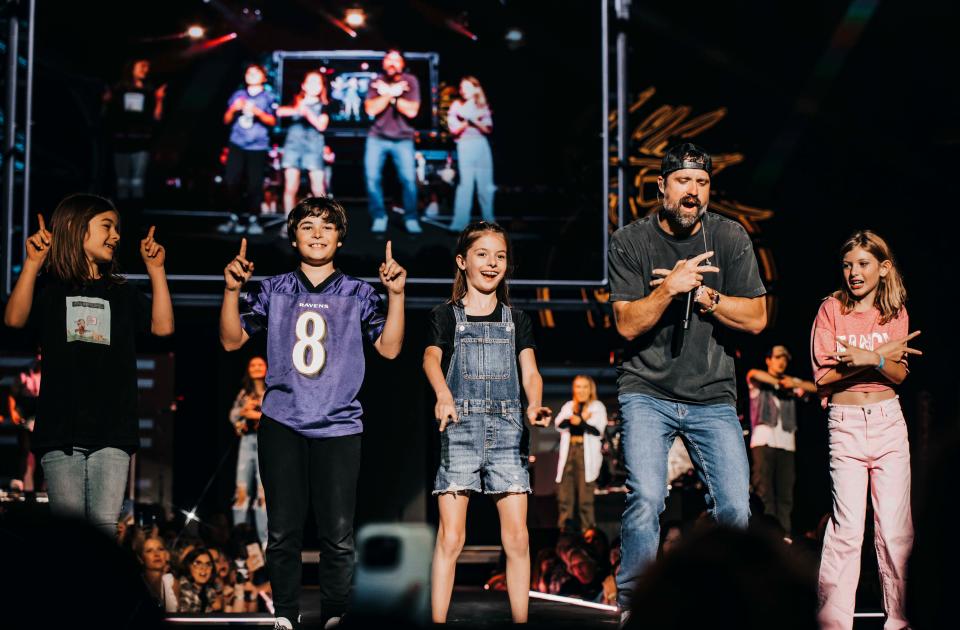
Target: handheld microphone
[{"x": 689, "y": 310}]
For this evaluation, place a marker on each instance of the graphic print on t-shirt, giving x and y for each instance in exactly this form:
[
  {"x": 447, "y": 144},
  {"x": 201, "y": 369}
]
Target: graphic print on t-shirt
[
  {"x": 133, "y": 101},
  {"x": 88, "y": 319},
  {"x": 864, "y": 342}
]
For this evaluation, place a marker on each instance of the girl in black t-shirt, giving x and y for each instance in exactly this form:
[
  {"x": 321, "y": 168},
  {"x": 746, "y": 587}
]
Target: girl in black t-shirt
[{"x": 86, "y": 428}]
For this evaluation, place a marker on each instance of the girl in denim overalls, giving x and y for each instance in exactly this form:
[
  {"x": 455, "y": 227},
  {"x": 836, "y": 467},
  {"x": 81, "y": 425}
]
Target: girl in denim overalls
[{"x": 478, "y": 406}]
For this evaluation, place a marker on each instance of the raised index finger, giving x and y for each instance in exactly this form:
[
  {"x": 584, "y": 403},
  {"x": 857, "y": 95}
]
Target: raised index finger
[
  {"x": 912, "y": 335},
  {"x": 243, "y": 248},
  {"x": 43, "y": 226},
  {"x": 150, "y": 232},
  {"x": 389, "y": 252}
]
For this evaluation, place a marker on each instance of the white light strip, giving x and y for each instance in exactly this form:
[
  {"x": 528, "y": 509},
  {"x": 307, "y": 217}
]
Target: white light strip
[
  {"x": 257, "y": 621},
  {"x": 865, "y": 615},
  {"x": 572, "y": 600}
]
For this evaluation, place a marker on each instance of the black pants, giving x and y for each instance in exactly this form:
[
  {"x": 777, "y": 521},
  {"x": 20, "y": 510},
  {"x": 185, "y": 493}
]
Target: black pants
[
  {"x": 249, "y": 165},
  {"x": 574, "y": 494},
  {"x": 296, "y": 471},
  {"x": 773, "y": 478}
]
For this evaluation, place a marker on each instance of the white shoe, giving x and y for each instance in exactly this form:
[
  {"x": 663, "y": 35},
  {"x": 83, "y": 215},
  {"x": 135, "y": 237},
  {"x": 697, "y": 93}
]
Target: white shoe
[
  {"x": 282, "y": 623},
  {"x": 379, "y": 225},
  {"x": 332, "y": 622},
  {"x": 624, "y": 618},
  {"x": 230, "y": 226},
  {"x": 254, "y": 228},
  {"x": 432, "y": 209},
  {"x": 413, "y": 226}
]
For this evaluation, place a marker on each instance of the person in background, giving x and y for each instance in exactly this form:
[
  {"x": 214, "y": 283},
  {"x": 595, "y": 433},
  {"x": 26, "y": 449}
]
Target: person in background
[
  {"x": 245, "y": 418},
  {"x": 470, "y": 121},
  {"x": 580, "y": 422},
  {"x": 132, "y": 107},
  {"x": 773, "y": 419},
  {"x": 250, "y": 114}
]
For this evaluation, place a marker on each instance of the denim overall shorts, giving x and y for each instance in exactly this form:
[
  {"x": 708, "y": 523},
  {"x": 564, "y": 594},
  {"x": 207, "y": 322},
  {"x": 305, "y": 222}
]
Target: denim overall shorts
[{"x": 484, "y": 445}]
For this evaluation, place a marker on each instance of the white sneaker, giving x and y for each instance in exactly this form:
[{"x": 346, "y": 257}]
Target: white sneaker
[
  {"x": 379, "y": 225},
  {"x": 229, "y": 226},
  {"x": 413, "y": 226},
  {"x": 624, "y": 618},
  {"x": 332, "y": 622},
  {"x": 432, "y": 209},
  {"x": 282, "y": 623},
  {"x": 254, "y": 228}
]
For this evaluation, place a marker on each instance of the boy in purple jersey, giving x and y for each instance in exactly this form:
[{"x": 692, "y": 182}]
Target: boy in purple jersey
[{"x": 316, "y": 318}]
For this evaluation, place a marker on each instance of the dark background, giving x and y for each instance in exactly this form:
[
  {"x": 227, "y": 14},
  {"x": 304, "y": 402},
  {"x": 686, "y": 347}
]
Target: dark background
[{"x": 846, "y": 113}]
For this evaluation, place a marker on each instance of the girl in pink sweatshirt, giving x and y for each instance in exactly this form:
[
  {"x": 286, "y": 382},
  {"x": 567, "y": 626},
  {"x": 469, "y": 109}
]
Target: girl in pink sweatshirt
[{"x": 859, "y": 348}]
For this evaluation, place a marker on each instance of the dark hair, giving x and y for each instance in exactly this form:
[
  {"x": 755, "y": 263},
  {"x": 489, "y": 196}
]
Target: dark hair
[
  {"x": 465, "y": 241},
  {"x": 192, "y": 556},
  {"x": 70, "y": 222},
  {"x": 259, "y": 67},
  {"x": 391, "y": 51},
  {"x": 323, "y": 207}
]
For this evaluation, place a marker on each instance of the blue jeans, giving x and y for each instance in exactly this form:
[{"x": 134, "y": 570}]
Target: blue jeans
[
  {"x": 87, "y": 484},
  {"x": 476, "y": 171},
  {"x": 714, "y": 438},
  {"x": 248, "y": 478},
  {"x": 374, "y": 157}
]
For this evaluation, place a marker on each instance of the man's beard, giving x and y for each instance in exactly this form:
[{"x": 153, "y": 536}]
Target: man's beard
[{"x": 672, "y": 213}]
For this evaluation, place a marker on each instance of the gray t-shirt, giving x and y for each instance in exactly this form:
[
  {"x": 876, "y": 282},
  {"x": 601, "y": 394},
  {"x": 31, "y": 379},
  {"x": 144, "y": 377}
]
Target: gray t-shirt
[{"x": 696, "y": 365}]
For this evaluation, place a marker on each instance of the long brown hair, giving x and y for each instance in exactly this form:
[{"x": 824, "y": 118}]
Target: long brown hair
[
  {"x": 891, "y": 293},
  {"x": 481, "y": 95},
  {"x": 71, "y": 220},
  {"x": 465, "y": 241}
]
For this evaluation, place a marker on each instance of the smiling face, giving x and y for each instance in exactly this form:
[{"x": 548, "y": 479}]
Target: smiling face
[
  {"x": 100, "y": 241},
  {"x": 686, "y": 194},
  {"x": 201, "y": 569},
  {"x": 485, "y": 264},
  {"x": 581, "y": 390},
  {"x": 257, "y": 368},
  {"x": 862, "y": 273},
  {"x": 141, "y": 69},
  {"x": 317, "y": 240},
  {"x": 154, "y": 555}
]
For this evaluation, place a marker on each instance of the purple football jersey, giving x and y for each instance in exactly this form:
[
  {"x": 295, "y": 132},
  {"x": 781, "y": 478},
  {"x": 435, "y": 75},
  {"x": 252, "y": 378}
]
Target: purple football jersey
[{"x": 314, "y": 348}]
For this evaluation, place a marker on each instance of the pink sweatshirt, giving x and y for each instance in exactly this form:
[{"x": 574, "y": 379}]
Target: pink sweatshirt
[{"x": 862, "y": 330}]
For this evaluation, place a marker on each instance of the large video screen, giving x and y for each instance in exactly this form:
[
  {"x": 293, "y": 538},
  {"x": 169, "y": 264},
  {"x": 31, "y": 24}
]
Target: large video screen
[{"x": 511, "y": 126}]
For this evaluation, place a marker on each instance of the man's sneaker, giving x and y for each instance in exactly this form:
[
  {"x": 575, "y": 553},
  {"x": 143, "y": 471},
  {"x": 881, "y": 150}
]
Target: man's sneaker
[
  {"x": 254, "y": 228},
  {"x": 333, "y": 622},
  {"x": 432, "y": 209},
  {"x": 230, "y": 226},
  {"x": 624, "y": 618},
  {"x": 282, "y": 623},
  {"x": 413, "y": 226},
  {"x": 379, "y": 225}
]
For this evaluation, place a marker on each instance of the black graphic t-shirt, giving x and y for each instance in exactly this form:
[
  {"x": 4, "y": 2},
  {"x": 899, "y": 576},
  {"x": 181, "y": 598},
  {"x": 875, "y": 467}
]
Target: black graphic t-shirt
[{"x": 88, "y": 396}]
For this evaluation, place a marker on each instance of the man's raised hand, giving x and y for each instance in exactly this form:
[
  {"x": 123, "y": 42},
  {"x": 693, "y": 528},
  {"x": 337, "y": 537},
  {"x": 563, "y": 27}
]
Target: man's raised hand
[
  {"x": 685, "y": 276},
  {"x": 239, "y": 270}
]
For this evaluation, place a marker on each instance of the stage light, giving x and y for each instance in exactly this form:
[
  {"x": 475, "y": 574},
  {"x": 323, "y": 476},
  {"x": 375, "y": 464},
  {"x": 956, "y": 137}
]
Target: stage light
[
  {"x": 364, "y": 66},
  {"x": 195, "y": 32},
  {"x": 513, "y": 36},
  {"x": 355, "y": 18}
]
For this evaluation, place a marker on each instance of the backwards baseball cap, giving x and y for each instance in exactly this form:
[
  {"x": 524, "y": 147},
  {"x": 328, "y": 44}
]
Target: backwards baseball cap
[
  {"x": 779, "y": 350},
  {"x": 685, "y": 155}
]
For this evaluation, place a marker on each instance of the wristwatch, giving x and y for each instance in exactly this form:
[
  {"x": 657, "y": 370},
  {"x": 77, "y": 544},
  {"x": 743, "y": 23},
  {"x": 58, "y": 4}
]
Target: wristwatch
[{"x": 715, "y": 298}]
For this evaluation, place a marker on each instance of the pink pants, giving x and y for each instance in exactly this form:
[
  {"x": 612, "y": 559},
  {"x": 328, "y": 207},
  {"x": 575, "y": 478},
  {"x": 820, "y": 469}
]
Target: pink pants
[{"x": 868, "y": 449}]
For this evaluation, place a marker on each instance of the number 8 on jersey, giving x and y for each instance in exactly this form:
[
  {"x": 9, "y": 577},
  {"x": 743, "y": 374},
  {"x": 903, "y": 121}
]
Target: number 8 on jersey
[{"x": 309, "y": 355}]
